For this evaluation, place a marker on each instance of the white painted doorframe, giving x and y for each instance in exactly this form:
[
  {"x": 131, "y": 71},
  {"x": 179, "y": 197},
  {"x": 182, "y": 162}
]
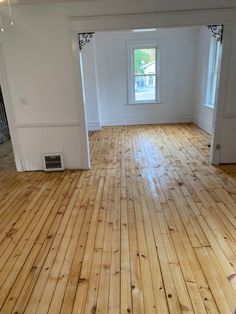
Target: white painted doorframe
[
  {"x": 155, "y": 20},
  {"x": 10, "y": 113}
]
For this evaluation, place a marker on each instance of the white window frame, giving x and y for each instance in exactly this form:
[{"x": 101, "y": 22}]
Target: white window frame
[
  {"x": 213, "y": 72},
  {"x": 143, "y": 44}
]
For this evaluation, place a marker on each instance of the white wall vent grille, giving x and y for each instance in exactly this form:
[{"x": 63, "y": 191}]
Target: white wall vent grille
[{"x": 53, "y": 162}]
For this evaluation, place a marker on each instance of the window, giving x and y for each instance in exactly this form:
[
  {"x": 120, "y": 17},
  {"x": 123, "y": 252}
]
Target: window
[
  {"x": 213, "y": 72},
  {"x": 143, "y": 81}
]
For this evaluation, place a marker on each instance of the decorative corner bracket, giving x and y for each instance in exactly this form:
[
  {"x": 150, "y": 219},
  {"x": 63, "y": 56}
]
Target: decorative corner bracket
[
  {"x": 217, "y": 31},
  {"x": 84, "y": 38}
]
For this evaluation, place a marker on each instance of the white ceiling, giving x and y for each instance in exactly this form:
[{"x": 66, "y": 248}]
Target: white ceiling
[
  {"x": 162, "y": 4},
  {"x": 46, "y": 1}
]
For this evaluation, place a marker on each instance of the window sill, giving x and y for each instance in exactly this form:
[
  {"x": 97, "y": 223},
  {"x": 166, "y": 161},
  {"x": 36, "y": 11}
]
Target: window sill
[
  {"x": 144, "y": 103},
  {"x": 208, "y": 106}
]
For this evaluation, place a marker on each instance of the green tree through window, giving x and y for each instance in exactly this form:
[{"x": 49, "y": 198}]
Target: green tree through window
[{"x": 143, "y": 57}]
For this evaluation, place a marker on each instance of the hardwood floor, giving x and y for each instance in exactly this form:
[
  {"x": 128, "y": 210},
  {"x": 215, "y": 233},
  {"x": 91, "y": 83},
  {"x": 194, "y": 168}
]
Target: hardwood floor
[{"x": 151, "y": 228}]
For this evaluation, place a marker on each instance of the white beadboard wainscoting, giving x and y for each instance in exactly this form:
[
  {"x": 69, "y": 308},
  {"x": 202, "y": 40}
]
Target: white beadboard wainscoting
[
  {"x": 38, "y": 139},
  {"x": 204, "y": 122}
]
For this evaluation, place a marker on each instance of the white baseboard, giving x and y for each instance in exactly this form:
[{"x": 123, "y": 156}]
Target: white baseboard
[
  {"x": 94, "y": 125},
  {"x": 148, "y": 120},
  {"x": 205, "y": 125}
]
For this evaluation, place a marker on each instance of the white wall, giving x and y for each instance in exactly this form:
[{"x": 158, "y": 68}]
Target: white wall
[
  {"x": 39, "y": 69},
  {"x": 203, "y": 115},
  {"x": 177, "y": 77},
  {"x": 39, "y": 66}
]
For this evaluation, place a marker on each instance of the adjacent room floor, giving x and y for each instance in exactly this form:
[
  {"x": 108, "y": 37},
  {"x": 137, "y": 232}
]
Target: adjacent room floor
[
  {"x": 6, "y": 156},
  {"x": 151, "y": 228}
]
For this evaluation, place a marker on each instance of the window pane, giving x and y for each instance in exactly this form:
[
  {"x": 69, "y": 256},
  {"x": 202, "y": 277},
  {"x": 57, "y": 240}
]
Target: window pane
[
  {"x": 213, "y": 91},
  {"x": 145, "y": 61},
  {"x": 217, "y": 57},
  {"x": 145, "y": 88},
  {"x": 213, "y": 71}
]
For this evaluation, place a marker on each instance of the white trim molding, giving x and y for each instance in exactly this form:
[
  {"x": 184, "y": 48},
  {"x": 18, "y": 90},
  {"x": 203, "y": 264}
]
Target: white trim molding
[
  {"x": 208, "y": 106},
  {"x": 157, "y": 44},
  {"x": 150, "y": 20},
  {"x": 228, "y": 154},
  {"x": 155, "y": 20},
  {"x": 81, "y": 110},
  {"x": 151, "y": 120},
  {"x": 94, "y": 125}
]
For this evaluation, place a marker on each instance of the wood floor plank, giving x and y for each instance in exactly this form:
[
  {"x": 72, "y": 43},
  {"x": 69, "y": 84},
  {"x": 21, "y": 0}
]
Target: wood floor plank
[
  {"x": 80, "y": 297},
  {"x": 149, "y": 229},
  {"x": 35, "y": 241}
]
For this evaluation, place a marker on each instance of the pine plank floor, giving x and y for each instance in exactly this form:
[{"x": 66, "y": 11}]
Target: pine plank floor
[{"x": 151, "y": 228}]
